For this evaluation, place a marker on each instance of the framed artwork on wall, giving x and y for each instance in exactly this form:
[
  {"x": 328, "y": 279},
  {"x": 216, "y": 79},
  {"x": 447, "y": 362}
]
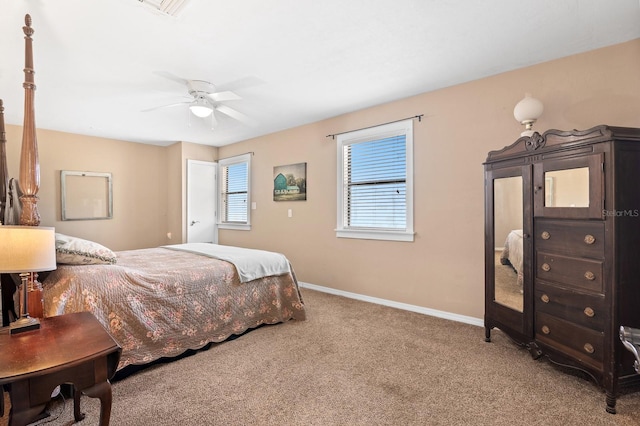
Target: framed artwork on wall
[
  {"x": 290, "y": 182},
  {"x": 86, "y": 195}
]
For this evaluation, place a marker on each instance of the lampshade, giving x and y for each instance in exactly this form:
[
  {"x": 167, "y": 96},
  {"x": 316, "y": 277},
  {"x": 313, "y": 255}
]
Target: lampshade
[
  {"x": 201, "y": 108},
  {"x": 527, "y": 111},
  {"x": 27, "y": 249}
]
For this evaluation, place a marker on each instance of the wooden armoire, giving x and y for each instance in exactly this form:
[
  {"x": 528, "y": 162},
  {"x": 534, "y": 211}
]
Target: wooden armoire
[{"x": 562, "y": 237}]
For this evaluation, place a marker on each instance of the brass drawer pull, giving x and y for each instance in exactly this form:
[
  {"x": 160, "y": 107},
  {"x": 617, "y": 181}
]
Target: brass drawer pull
[
  {"x": 546, "y": 329},
  {"x": 588, "y": 348},
  {"x": 546, "y": 267},
  {"x": 589, "y": 312},
  {"x": 590, "y": 275},
  {"x": 545, "y": 235},
  {"x": 544, "y": 298},
  {"x": 589, "y": 239}
]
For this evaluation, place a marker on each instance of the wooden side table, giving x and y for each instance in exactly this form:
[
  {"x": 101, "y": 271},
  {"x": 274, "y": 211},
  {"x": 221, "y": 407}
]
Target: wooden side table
[{"x": 73, "y": 348}]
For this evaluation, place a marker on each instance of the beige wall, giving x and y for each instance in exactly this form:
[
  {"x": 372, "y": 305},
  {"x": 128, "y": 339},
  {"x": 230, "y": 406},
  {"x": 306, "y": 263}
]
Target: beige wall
[
  {"x": 149, "y": 185},
  {"x": 443, "y": 269},
  {"x": 139, "y": 185}
]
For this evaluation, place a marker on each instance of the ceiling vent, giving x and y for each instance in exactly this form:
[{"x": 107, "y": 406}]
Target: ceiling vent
[{"x": 166, "y": 7}]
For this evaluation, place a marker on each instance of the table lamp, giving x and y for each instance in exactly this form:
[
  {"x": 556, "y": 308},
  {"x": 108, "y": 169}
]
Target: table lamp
[{"x": 26, "y": 249}]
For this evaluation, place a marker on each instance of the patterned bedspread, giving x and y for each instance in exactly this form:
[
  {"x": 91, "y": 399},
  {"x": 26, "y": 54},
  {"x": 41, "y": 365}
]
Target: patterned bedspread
[{"x": 159, "y": 303}]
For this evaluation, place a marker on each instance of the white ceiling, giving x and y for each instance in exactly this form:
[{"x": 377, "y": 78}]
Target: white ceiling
[{"x": 99, "y": 63}]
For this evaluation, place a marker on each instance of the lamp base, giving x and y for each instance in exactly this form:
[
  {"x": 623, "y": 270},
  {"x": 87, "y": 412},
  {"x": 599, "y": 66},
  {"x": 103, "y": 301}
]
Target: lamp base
[{"x": 24, "y": 324}]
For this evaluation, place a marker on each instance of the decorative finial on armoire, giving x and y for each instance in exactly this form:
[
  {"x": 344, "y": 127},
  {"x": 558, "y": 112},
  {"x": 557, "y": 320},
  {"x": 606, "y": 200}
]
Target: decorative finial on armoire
[{"x": 527, "y": 111}]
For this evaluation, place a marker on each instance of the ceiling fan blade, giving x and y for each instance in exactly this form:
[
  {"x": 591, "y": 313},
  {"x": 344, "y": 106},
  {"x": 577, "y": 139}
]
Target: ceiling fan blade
[
  {"x": 168, "y": 75},
  {"x": 166, "y": 106},
  {"x": 214, "y": 120},
  {"x": 223, "y": 96},
  {"x": 234, "y": 114},
  {"x": 242, "y": 83}
]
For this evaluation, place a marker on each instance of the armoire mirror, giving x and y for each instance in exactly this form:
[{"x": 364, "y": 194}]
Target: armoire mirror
[
  {"x": 567, "y": 188},
  {"x": 508, "y": 253}
]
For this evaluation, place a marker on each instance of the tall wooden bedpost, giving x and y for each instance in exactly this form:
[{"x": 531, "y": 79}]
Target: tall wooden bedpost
[
  {"x": 29, "y": 164},
  {"x": 4, "y": 171}
]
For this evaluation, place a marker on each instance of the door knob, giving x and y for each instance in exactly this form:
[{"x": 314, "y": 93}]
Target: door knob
[{"x": 193, "y": 222}]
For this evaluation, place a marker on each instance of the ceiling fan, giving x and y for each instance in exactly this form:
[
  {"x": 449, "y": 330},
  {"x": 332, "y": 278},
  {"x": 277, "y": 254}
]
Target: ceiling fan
[{"x": 205, "y": 100}]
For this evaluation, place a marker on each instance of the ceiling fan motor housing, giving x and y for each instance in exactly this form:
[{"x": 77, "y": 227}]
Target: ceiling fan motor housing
[{"x": 199, "y": 88}]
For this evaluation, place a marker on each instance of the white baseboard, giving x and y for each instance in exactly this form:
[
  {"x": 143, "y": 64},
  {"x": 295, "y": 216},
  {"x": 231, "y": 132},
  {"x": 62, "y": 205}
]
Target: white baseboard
[{"x": 405, "y": 306}]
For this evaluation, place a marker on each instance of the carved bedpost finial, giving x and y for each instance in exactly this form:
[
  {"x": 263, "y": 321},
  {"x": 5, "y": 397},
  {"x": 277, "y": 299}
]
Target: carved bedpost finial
[
  {"x": 3, "y": 134},
  {"x": 28, "y": 31},
  {"x": 4, "y": 171},
  {"x": 1, "y": 120},
  {"x": 28, "y": 54},
  {"x": 29, "y": 180}
]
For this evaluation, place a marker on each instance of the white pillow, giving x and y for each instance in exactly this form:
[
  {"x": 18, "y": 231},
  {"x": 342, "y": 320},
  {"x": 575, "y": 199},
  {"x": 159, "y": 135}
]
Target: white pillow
[{"x": 76, "y": 251}]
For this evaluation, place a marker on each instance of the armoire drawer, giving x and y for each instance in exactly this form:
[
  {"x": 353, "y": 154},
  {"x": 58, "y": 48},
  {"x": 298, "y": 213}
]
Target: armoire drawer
[
  {"x": 584, "y": 343},
  {"x": 584, "y": 274},
  {"x": 578, "y": 238},
  {"x": 583, "y": 309}
]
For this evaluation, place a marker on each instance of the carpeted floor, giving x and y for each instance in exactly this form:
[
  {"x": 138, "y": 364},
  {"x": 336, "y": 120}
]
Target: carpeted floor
[{"x": 355, "y": 363}]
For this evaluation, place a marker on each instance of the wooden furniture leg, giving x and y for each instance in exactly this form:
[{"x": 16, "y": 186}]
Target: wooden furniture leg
[
  {"x": 77, "y": 414},
  {"x": 102, "y": 391}
]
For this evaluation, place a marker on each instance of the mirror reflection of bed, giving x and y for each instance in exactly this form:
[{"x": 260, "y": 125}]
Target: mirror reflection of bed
[
  {"x": 508, "y": 273},
  {"x": 508, "y": 216}
]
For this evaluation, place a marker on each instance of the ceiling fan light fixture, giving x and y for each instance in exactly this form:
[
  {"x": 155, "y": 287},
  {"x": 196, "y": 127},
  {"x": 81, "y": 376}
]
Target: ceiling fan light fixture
[{"x": 201, "y": 109}]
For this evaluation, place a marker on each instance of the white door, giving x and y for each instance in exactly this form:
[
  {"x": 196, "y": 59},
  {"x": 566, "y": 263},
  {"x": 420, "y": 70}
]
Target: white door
[{"x": 201, "y": 202}]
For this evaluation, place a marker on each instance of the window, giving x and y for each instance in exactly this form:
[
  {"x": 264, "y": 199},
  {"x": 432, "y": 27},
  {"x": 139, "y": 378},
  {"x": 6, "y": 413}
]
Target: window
[
  {"x": 375, "y": 183},
  {"x": 234, "y": 177}
]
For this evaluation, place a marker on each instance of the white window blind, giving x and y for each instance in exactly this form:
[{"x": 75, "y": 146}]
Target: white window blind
[
  {"x": 234, "y": 191},
  {"x": 375, "y": 193},
  {"x": 376, "y": 184}
]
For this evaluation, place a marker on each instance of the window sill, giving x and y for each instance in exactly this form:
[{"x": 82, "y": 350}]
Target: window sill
[
  {"x": 236, "y": 226},
  {"x": 372, "y": 234}
]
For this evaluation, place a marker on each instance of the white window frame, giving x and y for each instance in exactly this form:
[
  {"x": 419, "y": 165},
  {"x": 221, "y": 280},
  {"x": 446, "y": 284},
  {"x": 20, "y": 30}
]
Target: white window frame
[
  {"x": 404, "y": 127},
  {"x": 222, "y": 165}
]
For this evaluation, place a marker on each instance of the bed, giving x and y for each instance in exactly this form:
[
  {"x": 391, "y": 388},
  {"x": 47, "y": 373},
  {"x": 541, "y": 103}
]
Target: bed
[
  {"x": 160, "y": 302},
  {"x": 155, "y": 302},
  {"x": 512, "y": 254}
]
